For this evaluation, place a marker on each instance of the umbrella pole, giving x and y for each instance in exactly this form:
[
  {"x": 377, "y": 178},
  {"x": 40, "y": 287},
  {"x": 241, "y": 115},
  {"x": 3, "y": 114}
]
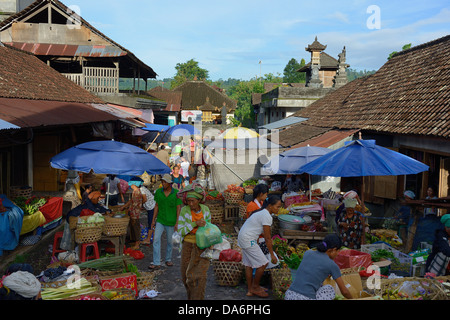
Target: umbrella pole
[
  {"x": 309, "y": 179},
  {"x": 362, "y": 194},
  {"x": 107, "y": 195},
  {"x": 153, "y": 141}
]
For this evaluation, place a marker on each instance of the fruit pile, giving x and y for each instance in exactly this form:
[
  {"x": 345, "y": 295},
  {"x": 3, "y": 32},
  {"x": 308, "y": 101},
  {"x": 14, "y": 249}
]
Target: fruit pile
[
  {"x": 87, "y": 297},
  {"x": 234, "y": 188},
  {"x": 214, "y": 195}
]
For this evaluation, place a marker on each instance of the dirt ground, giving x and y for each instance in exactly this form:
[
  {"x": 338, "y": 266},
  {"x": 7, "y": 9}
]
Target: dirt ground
[{"x": 167, "y": 281}]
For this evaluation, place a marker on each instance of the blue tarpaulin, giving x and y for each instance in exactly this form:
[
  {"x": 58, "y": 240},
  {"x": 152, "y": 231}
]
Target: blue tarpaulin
[{"x": 10, "y": 225}]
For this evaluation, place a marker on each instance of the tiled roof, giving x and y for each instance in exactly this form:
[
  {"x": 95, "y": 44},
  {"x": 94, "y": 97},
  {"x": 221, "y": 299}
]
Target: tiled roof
[
  {"x": 23, "y": 76},
  {"x": 326, "y": 62},
  {"x": 409, "y": 94},
  {"x": 172, "y": 98},
  {"x": 195, "y": 94},
  {"x": 297, "y": 133}
]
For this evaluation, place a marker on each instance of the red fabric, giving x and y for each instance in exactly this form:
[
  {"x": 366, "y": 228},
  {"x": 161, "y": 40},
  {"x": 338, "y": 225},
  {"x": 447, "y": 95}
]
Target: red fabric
[
  {"x": 52, "y": 210},
  {"x": 86, "y": 212}
]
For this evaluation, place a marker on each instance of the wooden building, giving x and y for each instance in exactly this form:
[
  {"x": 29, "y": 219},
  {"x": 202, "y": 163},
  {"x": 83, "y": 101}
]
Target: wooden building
[
  {"x": 43, "y": 113},
  {"x": 65, "y": 41}
]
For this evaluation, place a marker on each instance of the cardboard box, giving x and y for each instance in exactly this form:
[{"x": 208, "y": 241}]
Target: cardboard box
[
  {"x": 354, "y": 284},
  {"x": 123, "y": 280}
]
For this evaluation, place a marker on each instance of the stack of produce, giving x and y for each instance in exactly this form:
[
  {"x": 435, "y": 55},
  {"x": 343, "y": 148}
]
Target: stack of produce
[
  {"x": 384, "y": 235},
  {"x": 79, "y": 287},
  {"x": 233, "y": 194},
  {"x": 289, "y": 256},
  {"x": 29, "y": 205}
]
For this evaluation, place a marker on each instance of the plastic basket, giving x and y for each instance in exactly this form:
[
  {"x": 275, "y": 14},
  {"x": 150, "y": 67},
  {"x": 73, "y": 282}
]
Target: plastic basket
[{"x": 405, "y": 263}]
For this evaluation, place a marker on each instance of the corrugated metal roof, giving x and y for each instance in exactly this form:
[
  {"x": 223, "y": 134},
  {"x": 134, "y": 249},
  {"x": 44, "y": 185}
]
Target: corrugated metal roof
[
  {"x": 327, "y": 139},
  {"x": 66, "y": 50},
  {"x": 282, "y": 123},
  {"x": 26, "y": 113}
]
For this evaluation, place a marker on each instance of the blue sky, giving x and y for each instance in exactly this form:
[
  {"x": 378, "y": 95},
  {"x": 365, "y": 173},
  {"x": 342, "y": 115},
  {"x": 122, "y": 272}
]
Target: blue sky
[{"x": 229, "y": 38}]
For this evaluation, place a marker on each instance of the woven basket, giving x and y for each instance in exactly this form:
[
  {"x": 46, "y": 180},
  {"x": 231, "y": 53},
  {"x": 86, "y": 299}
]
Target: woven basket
[
  {"x": 124, "y": 294},
  {"x": 98, "y": 295},
  {"x": 20, "y": 191},
  {"x": 233, "y": 198},
  {"x": 435, "y": 290},
  {"x": 145, "y": 281},
  {"x": 242, "y": 209},
  {"x": 115, "y": 226},
  {"x": 281, "y": 279},
  {"x": 217, "y": 211},
  {"x": 228, "y": 273},
  {"x": 88, "y": 234}
]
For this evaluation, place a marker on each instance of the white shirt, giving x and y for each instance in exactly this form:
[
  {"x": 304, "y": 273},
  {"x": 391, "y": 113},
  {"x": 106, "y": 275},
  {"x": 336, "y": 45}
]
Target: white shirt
[
  {"x": 253, "y": 227},
  {"x": 113, "y": 185},
  {"x": 150, "y": 203},
  {"x": 185, "y": 168}
]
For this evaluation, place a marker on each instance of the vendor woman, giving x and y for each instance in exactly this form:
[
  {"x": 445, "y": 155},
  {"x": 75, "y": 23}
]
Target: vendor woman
[
  {"x": 90, "y": 204},
  {"x": 260, "y": 192},
  {"x": 438, "y": 260},
  {"x": 193, "y": 215},
  {"x": 315, "y": 267}
]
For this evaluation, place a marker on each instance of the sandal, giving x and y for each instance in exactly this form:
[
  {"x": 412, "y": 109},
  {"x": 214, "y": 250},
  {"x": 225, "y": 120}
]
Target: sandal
[
  {"x": 169, "y": 263},
  {"x": 260, "y": 293},
  {"x": 154, "y": 267}
]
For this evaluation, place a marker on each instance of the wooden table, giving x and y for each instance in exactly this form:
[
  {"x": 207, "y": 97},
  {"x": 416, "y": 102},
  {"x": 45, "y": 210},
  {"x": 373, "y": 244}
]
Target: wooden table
[
  {"x": 118, "y": 241},
  {"x": 293, "y": 235}
]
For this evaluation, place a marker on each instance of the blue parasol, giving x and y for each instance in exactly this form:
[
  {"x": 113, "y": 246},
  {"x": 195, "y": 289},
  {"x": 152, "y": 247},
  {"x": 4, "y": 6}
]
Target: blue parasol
[{"x": 108, "y": 157}]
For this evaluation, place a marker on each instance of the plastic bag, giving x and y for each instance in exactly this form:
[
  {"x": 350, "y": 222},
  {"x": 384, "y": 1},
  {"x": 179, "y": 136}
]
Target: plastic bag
[
  {"x": 208, "y": 235},
  {"x": 230, "y": 255},
  {"x": 176, "y": 241}
]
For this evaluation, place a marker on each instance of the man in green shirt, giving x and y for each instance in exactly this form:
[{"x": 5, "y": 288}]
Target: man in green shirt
[{"x": 165, "y": 217}]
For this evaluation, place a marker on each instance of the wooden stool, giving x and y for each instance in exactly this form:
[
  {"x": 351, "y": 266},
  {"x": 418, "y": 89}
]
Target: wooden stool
[
  {"x": 83, "y": 249},
  {"x": 56, "y": 243}
]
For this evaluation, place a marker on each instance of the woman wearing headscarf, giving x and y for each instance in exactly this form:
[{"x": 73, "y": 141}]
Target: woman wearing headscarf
[
  {"x": 192, "y": 216},
  {"x": 438, "y": 261},
  {"x": 90, "y": 205},
  {"x": 350, "y": 222},
  {"x": 134, "y": 207},
  {"x": 20, "y": 285}
]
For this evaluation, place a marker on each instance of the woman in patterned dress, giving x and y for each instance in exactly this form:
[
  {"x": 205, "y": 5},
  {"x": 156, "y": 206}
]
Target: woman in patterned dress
[
  {"x": 351, "y": 229},
  {"x": 194, "y": 214}
]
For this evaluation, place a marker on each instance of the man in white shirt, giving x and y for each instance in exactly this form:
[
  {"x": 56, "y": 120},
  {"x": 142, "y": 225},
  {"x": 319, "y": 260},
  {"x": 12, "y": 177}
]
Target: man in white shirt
[{"x": 112, "y": 191}]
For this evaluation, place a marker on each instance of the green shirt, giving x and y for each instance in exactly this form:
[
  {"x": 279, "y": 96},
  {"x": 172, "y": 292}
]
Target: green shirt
[{"x": 167, "y": 207}]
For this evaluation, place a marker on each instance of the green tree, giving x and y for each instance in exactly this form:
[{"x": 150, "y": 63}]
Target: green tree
[
  {"x": 242, "y": 93},
  {"x": 405, "y": 47},
  {"x": 188, "y": 71},
  {"x": 290, "y": 73}
]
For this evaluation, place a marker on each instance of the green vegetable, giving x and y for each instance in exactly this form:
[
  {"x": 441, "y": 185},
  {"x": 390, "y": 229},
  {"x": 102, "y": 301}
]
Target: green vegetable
[
  {"x": 112, "y": 263},
  {"x": 77, "y": 288},
  {"x": 379, "y": 254},
  {"x": 293, "y": 261}
]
